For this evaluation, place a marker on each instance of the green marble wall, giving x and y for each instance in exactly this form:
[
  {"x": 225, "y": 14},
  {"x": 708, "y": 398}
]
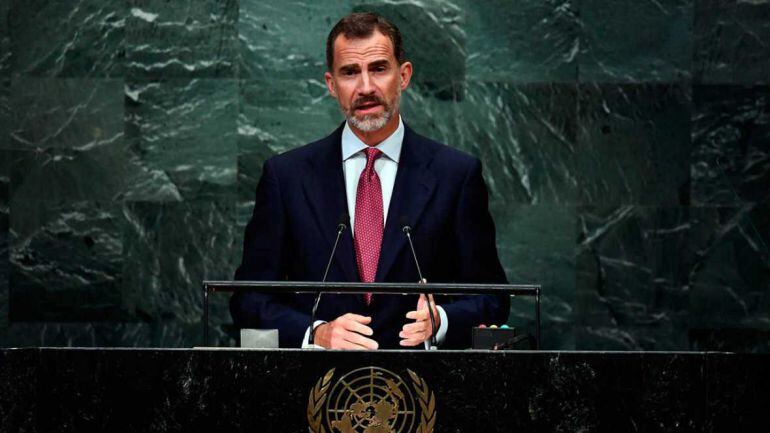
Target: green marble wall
[{"x": 626, "y": 145}]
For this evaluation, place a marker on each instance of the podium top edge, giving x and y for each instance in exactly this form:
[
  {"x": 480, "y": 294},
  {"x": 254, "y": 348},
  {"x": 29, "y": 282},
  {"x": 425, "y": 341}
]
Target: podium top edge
[{"x": 347, "y": 287}]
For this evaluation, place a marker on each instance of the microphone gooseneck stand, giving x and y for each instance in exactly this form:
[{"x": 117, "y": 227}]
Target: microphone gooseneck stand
[
  {"x": 341, "y": 227},
  {"x": 407, "y": 229}
]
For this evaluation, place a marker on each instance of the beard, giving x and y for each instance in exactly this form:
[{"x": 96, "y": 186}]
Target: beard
[{"x": 372, "y": 122}]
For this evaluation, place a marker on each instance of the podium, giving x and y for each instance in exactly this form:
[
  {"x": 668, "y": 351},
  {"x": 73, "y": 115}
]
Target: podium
[
  {"x": 211, "y": 287},
  {"x": 237, "y": 390},
  {"x": 398, "y": 391}
]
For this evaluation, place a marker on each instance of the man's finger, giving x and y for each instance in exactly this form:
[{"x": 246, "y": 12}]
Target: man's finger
[
  {"x": 342, "y": 340},
  {"x": 347, "y": 345},
  {"x": 422, "y": 302},
  {"x": 416, "y": 327},
  {"x": 410, "y": 342},
  {"x": 418, "y": 315},
  {"x": 358, "y": 318},
  {"x": 360, "y": 340},
  {"x": 418, "y": 335},
  {"x": 358, "y": 327}
]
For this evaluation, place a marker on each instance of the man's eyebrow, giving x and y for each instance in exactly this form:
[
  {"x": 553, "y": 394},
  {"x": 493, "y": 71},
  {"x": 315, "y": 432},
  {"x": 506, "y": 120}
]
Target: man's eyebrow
[
  {"x": 376, "y": 63},
  {"x": 350, "y": 67}
]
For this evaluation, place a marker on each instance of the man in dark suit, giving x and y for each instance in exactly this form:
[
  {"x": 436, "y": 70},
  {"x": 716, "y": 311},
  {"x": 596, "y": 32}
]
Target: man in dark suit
[{"x": 383, "y": 175}]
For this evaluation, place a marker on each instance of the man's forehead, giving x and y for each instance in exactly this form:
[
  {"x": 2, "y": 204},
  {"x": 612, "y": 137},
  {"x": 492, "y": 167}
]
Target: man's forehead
[{"x": 374, "y": 47}]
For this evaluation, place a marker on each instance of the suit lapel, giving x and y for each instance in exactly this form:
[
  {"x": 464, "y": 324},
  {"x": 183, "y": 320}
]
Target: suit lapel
[
  {"x": 325, "y": 190},
  {"x": 412, "y": 190}
]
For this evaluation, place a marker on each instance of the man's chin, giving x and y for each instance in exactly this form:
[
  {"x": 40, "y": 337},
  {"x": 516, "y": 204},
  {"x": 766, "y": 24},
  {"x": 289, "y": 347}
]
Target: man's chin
[{"x": 369, "y": 123}]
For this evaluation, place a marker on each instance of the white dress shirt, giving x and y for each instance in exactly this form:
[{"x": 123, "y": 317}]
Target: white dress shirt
[{"x": 386, "y": 166}]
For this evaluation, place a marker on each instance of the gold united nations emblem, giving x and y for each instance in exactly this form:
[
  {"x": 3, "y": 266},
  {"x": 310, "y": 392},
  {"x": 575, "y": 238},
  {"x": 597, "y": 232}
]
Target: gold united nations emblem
[{"x": 371, "y": 400}]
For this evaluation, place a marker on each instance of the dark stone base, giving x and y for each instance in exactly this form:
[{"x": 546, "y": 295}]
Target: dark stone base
[{"x": 267, "y": 391}]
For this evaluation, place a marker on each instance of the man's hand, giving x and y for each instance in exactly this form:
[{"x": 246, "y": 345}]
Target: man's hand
[
  {"x": 346, "y": 332},
  {"x": 420, "y": 330}
]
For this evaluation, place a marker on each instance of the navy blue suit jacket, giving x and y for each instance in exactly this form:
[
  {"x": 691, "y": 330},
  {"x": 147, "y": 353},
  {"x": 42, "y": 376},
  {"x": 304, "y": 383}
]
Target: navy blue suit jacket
[{"x": 299, "y": 200}]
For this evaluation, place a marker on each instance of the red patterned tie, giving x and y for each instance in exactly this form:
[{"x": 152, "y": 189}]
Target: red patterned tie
[{"x": 369, "y": 221}]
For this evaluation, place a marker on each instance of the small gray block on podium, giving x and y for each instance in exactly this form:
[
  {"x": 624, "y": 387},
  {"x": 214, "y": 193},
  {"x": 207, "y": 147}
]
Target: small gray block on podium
[{"x": 259, "y": 338}]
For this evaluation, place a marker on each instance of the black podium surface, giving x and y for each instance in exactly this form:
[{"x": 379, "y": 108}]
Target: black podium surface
[{"x": 171, "y": 390}]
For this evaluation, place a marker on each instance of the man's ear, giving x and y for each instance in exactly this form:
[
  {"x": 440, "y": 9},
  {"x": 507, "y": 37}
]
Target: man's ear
[
  {"x": 405, "y": 71},
  {"x": 330, "y": 84}
]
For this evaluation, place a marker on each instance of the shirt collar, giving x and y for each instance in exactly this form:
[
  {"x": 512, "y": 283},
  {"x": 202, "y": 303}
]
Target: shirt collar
[{"x": 390, "y": 147}]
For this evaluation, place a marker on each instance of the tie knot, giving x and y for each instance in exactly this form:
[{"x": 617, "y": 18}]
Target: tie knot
[{"x": 372, "y": 153}]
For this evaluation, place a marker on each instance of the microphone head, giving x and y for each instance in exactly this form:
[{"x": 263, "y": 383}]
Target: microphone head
[
  {"x": 343, "y": 221},
  {"x": 404, "y": 222}
]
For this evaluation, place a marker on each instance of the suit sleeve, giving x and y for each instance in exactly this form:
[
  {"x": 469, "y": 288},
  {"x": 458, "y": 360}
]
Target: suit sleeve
[
  {"x": 265, "y": 258},
  {"x": 478, "y": 262}
]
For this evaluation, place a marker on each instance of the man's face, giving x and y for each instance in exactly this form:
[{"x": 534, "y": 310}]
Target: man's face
[{"x": 367, "y": 81}]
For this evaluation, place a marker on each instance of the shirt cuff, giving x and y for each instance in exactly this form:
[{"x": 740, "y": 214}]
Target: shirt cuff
[
  {"x": 306, "y": 340},
  {"x": 442, "y": 328}
]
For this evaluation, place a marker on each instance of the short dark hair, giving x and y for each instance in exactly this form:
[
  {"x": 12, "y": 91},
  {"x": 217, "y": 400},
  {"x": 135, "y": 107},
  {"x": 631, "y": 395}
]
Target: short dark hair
[{"x": 361, "y": 25}]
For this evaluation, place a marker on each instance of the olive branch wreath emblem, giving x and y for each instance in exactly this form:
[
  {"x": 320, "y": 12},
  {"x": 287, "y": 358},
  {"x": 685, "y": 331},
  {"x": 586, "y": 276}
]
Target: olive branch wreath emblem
[
  {"x": 315, "y": 402},
  {"x": 427, "y": 403},
  {"x": 318, "y": 393}
]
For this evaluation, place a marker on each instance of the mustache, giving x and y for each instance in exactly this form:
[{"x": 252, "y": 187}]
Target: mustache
[{"x": 367, "y": 100}]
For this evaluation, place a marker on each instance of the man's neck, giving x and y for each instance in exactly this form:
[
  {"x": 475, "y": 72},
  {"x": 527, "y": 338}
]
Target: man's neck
[{"x": 374, "y": 138}]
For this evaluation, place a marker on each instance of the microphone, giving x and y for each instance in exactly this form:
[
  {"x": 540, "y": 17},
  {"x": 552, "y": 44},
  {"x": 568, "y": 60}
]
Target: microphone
[
  {"x": 342, "y": 225},
  {"x": 407, "y": 229}
]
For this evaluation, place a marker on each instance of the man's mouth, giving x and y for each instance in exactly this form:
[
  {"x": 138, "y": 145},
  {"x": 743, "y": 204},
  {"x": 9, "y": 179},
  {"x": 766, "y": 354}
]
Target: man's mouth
[{"x": 368, "y": 107}]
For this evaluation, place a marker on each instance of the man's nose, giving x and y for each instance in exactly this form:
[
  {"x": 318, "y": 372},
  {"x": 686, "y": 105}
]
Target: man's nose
[{"x": 365, "y": 85}]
